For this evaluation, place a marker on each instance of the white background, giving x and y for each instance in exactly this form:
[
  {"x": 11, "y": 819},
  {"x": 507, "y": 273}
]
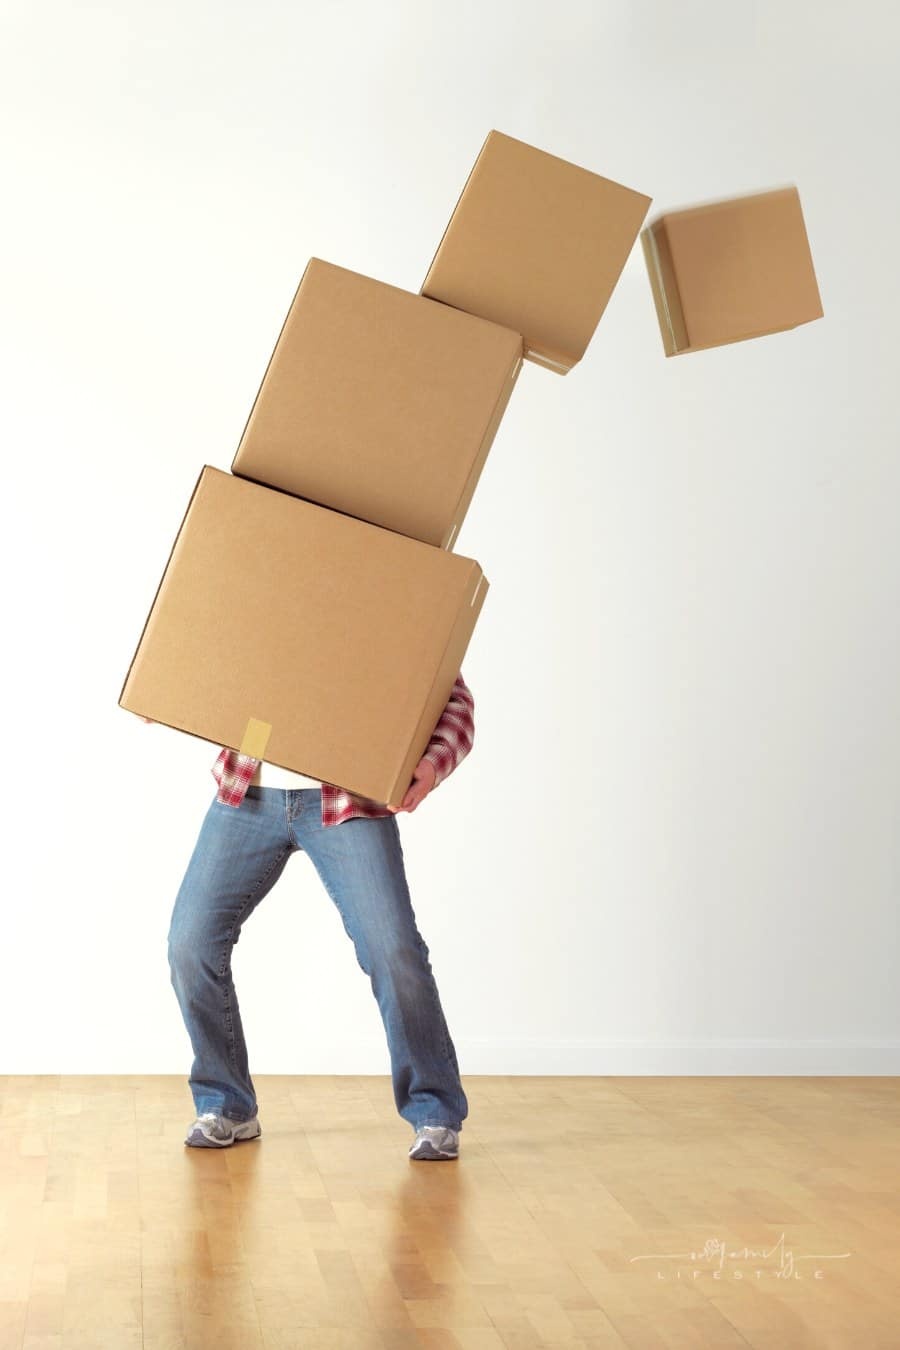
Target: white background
[{"x": 674, "y": 847}]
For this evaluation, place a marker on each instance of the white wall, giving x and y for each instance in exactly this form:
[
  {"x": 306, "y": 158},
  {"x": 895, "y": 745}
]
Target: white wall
[{"x": 674, "y": 848}]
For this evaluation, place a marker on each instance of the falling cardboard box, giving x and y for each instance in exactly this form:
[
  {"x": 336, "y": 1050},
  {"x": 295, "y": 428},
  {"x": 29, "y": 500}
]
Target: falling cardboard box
[
  {"x": 725, "y": 271},
  {"x": 536, "y": 244},
  {"x": 379, "y": 403},
  {"x": 304, "y": 637}
]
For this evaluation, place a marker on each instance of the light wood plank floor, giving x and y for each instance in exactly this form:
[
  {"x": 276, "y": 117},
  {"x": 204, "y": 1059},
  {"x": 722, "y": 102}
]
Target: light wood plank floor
[{"x": 654, "y": 1213}]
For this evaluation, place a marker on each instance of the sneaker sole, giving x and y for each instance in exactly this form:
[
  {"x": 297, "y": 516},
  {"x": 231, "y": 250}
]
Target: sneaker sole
[
  {"x": 245, "y": 1130},
  {"x": 428, "y": 1153}
]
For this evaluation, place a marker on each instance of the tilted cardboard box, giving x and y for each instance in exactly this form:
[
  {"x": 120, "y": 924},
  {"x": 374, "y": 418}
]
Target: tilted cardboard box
[
  {"x": 379, "y": 403},
  {"x": 725, "y": 271},
  {"x": 536, "y": 244},
  {"x": 304, "y": 637}
]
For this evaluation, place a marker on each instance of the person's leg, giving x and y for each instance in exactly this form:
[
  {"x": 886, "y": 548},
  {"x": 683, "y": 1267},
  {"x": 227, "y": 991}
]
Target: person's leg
[
  {"x": 360, "y": 862},
  {"x": 239, "y": 855}
]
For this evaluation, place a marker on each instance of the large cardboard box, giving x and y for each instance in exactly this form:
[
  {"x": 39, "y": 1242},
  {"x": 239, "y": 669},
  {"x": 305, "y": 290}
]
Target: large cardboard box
[
  {"x": 379, "y": 403},
  {"x": 304, "y": 637},
  {"x": 536, "y": 244},
  {"x": 725, "y": 271}
]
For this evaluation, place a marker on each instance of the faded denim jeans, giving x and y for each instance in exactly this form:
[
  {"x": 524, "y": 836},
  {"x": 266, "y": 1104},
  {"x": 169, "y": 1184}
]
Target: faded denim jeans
[{"x": 239, "y": 855}]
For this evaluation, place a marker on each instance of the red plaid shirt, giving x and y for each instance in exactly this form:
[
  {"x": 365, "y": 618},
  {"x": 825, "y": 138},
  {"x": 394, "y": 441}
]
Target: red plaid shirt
[{"x": 450, "y": 742}]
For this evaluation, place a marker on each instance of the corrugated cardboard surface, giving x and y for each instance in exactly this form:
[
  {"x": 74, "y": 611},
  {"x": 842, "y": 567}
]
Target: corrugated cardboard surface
[
  {"x": 379, "y": 403},
  {"x": 725, "y": 271},
  {"x": 536, "y": 244},
  {"x": 343, "y": 638}
]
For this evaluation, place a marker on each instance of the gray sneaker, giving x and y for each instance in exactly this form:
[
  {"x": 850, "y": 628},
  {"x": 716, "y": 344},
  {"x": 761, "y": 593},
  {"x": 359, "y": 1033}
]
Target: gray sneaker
[
  {"x": 435, "y": 1142},
  {"x": 210, "y": 1130}
]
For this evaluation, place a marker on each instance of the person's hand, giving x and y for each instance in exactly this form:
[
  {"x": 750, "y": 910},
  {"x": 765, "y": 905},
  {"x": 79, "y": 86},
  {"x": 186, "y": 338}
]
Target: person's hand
[
  {"x": 145, "y": 719},
  {"x": 422, "y": 782}
]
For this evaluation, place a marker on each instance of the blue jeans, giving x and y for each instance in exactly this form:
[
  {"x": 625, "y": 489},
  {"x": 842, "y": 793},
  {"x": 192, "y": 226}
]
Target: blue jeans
[{"x": 239, "y": 855}]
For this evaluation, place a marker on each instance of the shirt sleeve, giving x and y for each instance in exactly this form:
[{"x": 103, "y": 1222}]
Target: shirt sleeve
[{"x": 454, "y": 735}]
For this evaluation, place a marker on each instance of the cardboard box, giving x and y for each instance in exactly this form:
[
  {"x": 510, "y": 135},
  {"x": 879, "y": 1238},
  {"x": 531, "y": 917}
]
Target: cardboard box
[
  {"x": 304, "y": 637},
  {"x": 725, "y": 271},
  {"x": 379, "y": 403},
  {"x": 536, "y": 244}
]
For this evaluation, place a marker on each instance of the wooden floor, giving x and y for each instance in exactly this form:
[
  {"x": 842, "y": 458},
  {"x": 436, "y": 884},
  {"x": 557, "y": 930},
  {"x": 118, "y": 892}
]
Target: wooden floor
[{"x": 581, "y": 1212}]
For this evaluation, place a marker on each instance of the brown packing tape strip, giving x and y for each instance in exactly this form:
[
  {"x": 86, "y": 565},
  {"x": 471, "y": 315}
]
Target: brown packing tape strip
[
  {"x": 651, "y": 252},
  {"x": 256, "y": 738},
  {"x": 540, "y": 358}
]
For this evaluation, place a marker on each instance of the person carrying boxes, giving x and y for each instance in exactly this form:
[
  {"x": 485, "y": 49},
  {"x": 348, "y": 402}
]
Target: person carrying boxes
[{"x": 239, "y": 856}]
